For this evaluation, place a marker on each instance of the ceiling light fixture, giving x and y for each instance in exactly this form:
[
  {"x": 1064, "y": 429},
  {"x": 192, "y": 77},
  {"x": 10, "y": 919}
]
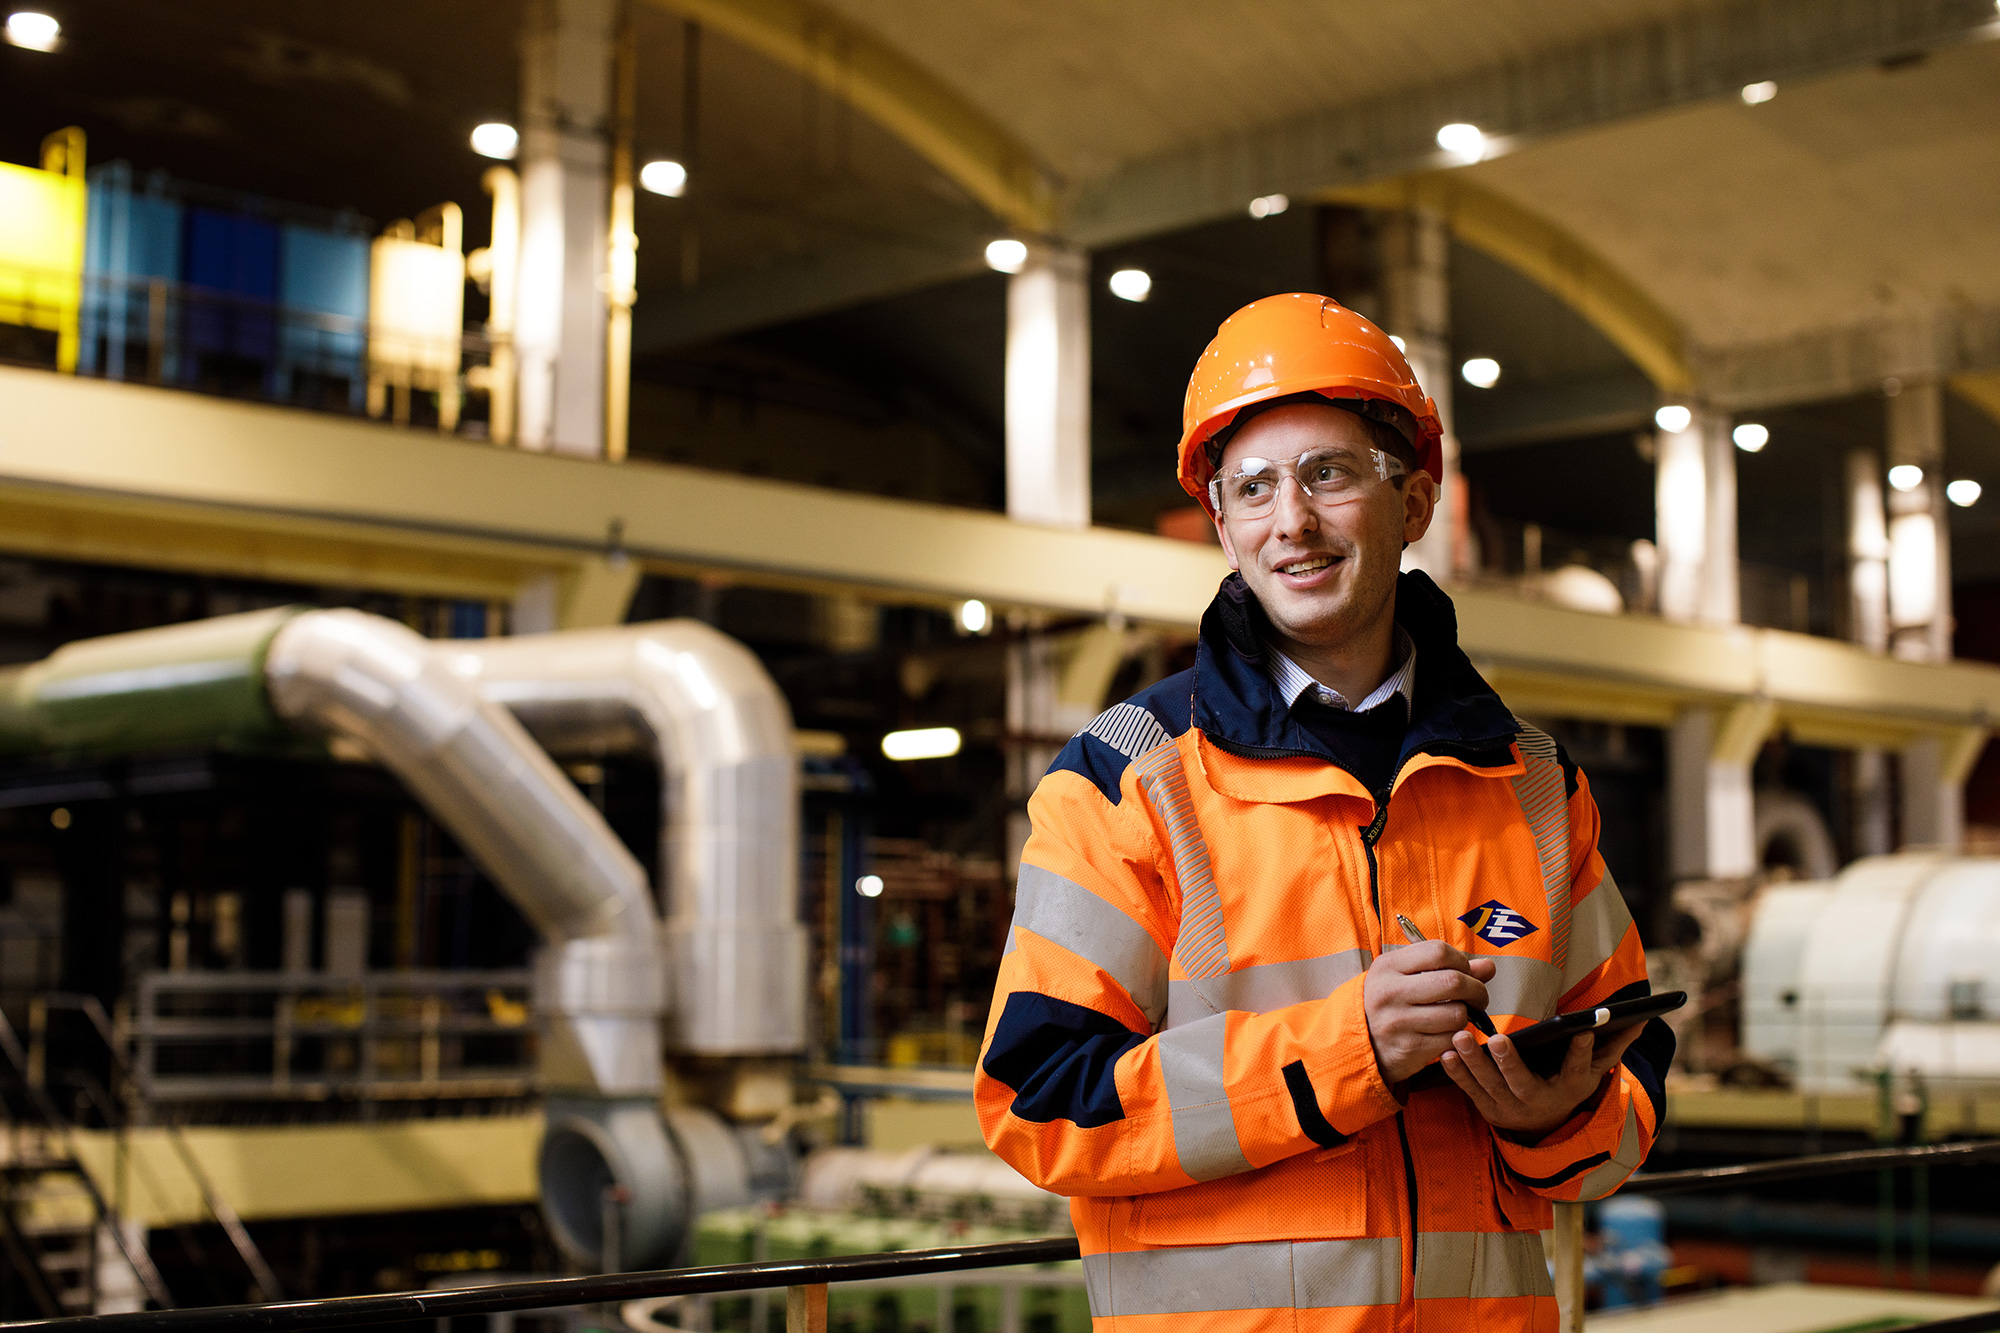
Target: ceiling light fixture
[
  {"x": 1755, "y": 94},
  {"x": 664, "y": 176},
  {"x": 1964, "y": 492},
  {"x": 1131, "y": 284},
  {"x": 921, "y": 743},
  {"x": 1401, "y": 346},
  {"x": 1006, "y": 255},
  {"x": 1751, "y": 437},
  {"x": 1462, "y": 141},
  {"x": 869, "y": 886},
  {"x": 35, "y": 31},
  {"x": 1673, "y": 418},
  {"x": 496, "y": 139},
  {"x": 1906, "y": 476},
  {"x": 1269, "y": 205},
  {"x": 1481, "y": 372},
  {"x": 973, "y": 617}
]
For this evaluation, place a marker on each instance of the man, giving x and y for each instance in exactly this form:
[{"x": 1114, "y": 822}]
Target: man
[{"x": 1208, "y": 1027}]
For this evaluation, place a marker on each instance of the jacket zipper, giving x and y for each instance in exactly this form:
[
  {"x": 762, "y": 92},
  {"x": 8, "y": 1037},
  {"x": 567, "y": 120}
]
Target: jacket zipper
[{"x": 1370, "y": 835}]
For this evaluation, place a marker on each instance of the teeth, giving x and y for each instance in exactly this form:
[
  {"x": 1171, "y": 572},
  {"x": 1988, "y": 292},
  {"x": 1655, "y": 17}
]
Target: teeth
[{"x": 1299, "y": 567}]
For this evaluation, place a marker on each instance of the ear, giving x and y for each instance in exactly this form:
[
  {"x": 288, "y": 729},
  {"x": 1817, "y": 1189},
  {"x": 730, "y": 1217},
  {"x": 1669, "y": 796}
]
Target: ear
[
  {"x": 1228, "y": 547},
  {"x": 1419, "y": 505}
]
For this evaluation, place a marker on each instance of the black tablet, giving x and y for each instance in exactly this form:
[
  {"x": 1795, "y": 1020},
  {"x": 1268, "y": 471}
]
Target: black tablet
[{"x": 1544, "y": 1045}]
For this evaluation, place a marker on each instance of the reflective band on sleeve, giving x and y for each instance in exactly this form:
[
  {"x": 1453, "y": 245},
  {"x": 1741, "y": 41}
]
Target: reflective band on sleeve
[
  {"x": 1204, "y": 1128},
  {"x": 1601, "y": 1180},
  {"x": 1129, "y": 729},
  {"x": 1200, "y": 944},
  {"x": 1065, "y": 913},
  {"x": 1525, "y": 986},
  {"x": 1267, "y": 1275},
  {"x": 1267, "y": 986},
  {"x": 1596, "y": 926},
  {"x": 1544, "y": 799},
  {"x": 1458, "y": 1264}
]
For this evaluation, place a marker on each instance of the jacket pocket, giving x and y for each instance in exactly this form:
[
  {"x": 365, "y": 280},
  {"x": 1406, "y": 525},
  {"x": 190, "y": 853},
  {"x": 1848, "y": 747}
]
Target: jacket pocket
[{"x": 1318, "y": 1195}]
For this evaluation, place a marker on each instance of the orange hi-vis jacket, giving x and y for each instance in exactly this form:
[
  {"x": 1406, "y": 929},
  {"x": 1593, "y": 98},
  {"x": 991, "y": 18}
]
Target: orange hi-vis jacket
[{"x": 1178, "y": 1039}]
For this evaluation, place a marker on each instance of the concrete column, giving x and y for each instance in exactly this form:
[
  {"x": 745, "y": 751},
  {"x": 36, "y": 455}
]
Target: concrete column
[
  {"x": 1868, "y": 626},
  {"x": 1048, "y": 389},
  {"x": 1919, "y": 573},
  {"x": 1033, "y": 685},
  {"x": 1711, "y": 807},
  {"x": 566, "y": 73},
  {"x": 1694, "y": 501},
  {"x": 1416, "y": 307},
  {"x": 1934, "y": 770}
]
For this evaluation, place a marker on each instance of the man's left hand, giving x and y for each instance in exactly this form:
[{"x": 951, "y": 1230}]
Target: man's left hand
[{"x": 1514, "y": 1097}]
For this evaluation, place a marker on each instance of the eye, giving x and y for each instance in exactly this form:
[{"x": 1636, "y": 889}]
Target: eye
[{"x": 1251, "y": 487}]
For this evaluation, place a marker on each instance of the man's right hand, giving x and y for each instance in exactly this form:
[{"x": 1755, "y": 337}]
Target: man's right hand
[{"x": 1415, "y": 998}]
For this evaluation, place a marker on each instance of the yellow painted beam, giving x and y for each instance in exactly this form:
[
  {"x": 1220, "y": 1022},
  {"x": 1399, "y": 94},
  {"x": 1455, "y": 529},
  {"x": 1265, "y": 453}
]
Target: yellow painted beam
[
  {"x": 272, "y": 1171},
  {"x": 851, "y": 62},
  {"x": 1981, "y": 389},
  {"x": 367, "y": 496},
  {"x": 1550, "y": 257}
]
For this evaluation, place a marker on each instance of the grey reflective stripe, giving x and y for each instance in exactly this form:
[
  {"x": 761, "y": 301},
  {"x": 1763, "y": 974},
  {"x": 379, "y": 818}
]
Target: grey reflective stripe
[
  {"x": 1204, "y": 1128},
  {"x": 1129, "y": 729},
  {"x": 1601, "y": 1180},
  {"x": 1595, "y": 929},
  {"x": 1544, "y": 798},
  {"x": 1200, "y": 945},
  {"x": 1262, "y": 1275},
  {"x": 1525, "y": 986},
  {"x": 1458, "y": 1264},
  {"x": 1065, "y": 913},
  {"x": 1267, "y": 986}
]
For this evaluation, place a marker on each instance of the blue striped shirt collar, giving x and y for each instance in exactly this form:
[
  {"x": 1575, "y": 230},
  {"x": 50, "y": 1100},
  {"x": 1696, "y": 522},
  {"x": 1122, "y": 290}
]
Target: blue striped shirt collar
[{"x": 1293, "y": 680}]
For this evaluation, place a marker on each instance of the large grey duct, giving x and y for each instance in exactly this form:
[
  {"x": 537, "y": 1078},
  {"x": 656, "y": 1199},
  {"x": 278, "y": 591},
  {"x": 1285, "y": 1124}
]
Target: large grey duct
[
  {"x": 703, "y": 706},
  {"x": 599, "y": 984}
]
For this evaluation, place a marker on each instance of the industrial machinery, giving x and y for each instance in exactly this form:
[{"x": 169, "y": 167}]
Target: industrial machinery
[
  {"x": 715, "y": 977},
  {"x": 1893, "y": 965}
]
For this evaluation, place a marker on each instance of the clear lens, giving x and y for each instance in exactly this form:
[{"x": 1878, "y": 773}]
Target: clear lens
[{"x": 1328, "y": 477}]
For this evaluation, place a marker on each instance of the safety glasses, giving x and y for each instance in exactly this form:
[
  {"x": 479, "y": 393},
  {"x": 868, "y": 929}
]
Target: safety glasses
[{"x": 1328, "y": 476}]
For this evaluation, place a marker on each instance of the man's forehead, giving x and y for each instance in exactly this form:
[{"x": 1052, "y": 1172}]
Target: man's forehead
[{"x": 1288, "y": 431}]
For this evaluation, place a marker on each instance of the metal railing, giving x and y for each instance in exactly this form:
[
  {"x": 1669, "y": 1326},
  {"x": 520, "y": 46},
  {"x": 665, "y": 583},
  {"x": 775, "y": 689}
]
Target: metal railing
[
  {"x": 178, "y": 335},
  {"x": 806, "y": 1281},
  {"x": 373, "y": 1036}
]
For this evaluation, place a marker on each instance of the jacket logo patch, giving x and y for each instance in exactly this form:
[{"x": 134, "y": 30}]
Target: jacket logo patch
[{"x": 1498, "y": 924}]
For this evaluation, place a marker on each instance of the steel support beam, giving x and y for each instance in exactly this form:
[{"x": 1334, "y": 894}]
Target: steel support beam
[
  {"x": 1689, "y": 57},
  {"x": 380, "y": 498}
]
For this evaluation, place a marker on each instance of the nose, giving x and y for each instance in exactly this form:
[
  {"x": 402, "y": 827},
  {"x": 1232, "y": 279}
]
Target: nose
[{"x": 1293, "y": 511}]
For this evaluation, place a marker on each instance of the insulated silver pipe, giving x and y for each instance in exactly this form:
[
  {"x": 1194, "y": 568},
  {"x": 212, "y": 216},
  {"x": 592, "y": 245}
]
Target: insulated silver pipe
[
  {"x": 705, "y": 708},
  {"x": 417, "y": 710}
]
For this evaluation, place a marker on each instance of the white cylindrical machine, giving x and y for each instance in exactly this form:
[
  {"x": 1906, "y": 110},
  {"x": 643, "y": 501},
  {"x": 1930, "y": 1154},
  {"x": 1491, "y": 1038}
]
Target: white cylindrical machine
[{"x": 1894, "y": 963}]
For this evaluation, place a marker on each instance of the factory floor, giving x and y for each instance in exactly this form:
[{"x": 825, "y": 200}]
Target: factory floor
[{"x": 1788, "y": 1307}]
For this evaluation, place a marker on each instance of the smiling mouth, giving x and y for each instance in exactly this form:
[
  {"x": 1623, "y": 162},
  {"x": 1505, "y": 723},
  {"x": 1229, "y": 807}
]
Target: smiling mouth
[{"x": 1310, "y": 565}]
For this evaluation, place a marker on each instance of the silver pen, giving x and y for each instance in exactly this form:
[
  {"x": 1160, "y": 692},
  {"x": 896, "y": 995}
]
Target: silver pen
[{"x": 1473, "y": 1012}]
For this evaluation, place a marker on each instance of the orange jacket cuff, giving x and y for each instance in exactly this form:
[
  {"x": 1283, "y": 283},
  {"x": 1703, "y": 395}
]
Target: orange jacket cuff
[
  {"x": 1596, "y": 1127},
  {"x": 1349, "y": 1082}
]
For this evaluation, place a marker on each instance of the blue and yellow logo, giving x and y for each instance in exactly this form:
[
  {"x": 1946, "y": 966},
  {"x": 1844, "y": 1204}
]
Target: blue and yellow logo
[{"x": 1498, "y": 924}]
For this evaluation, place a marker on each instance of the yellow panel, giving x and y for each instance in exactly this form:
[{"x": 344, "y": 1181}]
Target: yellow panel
[
  {"x": 41, "y": 253},
  {"x": 318, "y": 1170}
]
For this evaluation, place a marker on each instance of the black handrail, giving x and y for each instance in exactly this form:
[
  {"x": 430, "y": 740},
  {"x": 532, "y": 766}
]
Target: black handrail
[
  {"x": 550, "y": 1293},
  {"x": 1796, "y": 1168},
  {"x": 355, "y": 1311}
]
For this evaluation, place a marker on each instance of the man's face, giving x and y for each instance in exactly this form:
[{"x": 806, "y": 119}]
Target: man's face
[{"x": 1321, "y": 573}]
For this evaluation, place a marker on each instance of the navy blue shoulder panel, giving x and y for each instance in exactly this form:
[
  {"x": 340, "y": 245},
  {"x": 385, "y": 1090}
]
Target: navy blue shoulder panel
[
  {"x": 1103, "y": 751},
  {"x": 1060, "y": 1059}
]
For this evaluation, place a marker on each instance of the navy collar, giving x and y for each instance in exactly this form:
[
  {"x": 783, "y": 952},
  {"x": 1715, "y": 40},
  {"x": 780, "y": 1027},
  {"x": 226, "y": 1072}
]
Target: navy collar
[{"x": 1238, "y": 707}]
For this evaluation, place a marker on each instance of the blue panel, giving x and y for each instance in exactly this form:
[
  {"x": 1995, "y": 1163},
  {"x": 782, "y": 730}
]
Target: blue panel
[
  {"x": 233, "y": 262},
  {"x": 1060, "y": 1059},
  {"x": 323, "y": 285}
]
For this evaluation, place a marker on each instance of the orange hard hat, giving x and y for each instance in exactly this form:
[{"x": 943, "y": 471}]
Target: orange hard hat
[{"x": 1301, "y": 343}]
